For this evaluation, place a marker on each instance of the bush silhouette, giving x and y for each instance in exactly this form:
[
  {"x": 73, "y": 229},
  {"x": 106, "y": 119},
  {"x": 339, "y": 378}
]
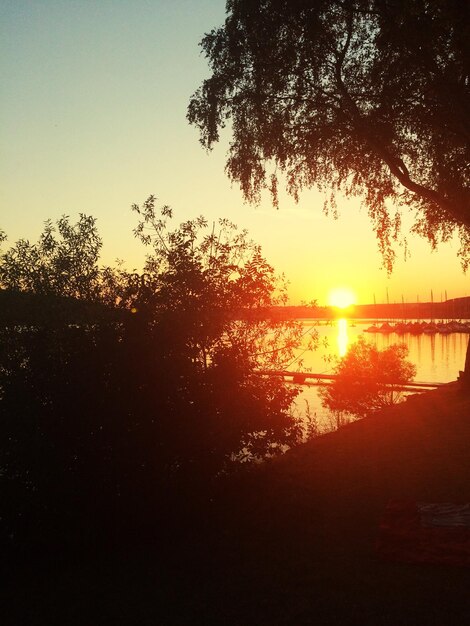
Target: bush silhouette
[
  {"x": 142, "y": 385},
  {"x": 367, "y": 379}
]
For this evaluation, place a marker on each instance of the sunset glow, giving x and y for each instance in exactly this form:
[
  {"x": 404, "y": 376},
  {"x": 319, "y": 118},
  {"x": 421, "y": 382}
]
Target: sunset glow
[
  {"x": 341, "y": 297},
  {"x": 66, "y": 124}
]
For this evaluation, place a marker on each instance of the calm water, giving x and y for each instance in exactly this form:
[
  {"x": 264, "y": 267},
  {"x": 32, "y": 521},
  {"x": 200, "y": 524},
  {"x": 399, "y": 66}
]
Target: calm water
[{"x": 438, "y": 358}]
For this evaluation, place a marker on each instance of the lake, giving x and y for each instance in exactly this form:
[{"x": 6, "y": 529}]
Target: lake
[{"x": 438, "y": 357}]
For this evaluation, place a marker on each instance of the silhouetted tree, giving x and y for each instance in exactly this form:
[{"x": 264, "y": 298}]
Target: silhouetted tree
[
  {"x": 153, "y": 392},
  {"x": 64, "y": 262},
  {"x": 363, "y": 96},
  {"x": 216, "y": 281},
  {"x": 367, "y": 379}
]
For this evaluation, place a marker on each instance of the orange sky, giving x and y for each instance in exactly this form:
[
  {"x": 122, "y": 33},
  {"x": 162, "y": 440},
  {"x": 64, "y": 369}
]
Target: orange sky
[{"x": 92, "y": 116}]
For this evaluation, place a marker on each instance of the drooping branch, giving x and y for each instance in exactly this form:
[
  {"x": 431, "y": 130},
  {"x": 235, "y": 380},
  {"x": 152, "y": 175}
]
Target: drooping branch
[
  {"x": 395, "y": 164},
  {"x": 366, "y": 93}
]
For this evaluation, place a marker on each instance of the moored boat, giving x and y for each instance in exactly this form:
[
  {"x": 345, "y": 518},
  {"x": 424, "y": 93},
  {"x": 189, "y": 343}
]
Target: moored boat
[{"x": 418, "y": 328}]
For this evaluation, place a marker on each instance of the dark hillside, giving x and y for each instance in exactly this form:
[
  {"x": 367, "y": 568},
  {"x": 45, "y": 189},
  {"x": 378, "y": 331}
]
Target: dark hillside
[{"x": 290, "y": 543}]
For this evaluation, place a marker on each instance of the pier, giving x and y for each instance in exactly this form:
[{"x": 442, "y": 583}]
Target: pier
[{"x": 314, "y": 379}]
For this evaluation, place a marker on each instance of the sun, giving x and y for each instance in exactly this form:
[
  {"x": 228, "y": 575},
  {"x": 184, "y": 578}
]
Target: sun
[{"x": 341, "y": 297}]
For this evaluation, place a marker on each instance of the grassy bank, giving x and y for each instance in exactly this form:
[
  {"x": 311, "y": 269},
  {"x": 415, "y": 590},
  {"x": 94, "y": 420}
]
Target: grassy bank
[{"x": 288, "y": 543}]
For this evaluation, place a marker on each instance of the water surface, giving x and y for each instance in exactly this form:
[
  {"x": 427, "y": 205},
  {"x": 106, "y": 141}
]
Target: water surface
[{"x": 438, "y": 357}]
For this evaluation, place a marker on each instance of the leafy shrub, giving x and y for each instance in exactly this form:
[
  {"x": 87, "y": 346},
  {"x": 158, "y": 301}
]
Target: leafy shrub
[
  {"x": 368, "y": 379},
  {"x": 106, "y": 411}
]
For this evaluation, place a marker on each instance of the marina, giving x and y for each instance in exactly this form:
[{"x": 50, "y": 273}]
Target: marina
[{"x": 420, "y": 327}]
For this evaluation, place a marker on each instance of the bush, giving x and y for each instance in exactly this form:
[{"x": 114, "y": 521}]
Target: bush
[
  {"x": 368, "y": 379},
  {"x": 107, "y": 410}
]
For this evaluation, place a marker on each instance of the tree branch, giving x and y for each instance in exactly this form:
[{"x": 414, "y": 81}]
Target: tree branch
[{"x": 395, "y": 164}]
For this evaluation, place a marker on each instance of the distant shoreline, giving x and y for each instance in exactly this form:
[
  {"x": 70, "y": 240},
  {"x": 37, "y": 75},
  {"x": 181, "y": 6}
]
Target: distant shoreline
[{"x": 458, "y": 308}]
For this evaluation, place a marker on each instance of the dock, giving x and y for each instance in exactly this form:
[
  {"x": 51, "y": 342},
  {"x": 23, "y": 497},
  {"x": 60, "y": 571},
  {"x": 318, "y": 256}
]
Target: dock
[{"x": 318, "y": 379}]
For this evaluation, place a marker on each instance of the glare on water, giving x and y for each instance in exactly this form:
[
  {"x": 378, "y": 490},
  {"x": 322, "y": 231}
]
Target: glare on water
[{"x": 342, "y": 339}]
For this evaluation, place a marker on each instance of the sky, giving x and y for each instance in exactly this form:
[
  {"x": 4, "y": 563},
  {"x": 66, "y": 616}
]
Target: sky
[{"x": 93, "y": 119}]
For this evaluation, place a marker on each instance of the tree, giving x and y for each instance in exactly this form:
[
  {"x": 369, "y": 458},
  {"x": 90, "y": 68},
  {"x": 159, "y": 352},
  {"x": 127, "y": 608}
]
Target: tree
[
  {"x": 368, "y": 379},
  {"x": 64, "y": 262},
  {"x": 155, "y": 392},
  {"x": 207, "y": 292},
  {"x": 214, "y": 277},
  {"x": 369, "y": 97}
]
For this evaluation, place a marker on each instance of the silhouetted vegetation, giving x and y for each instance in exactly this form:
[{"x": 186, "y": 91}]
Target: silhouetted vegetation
[
  {"x": 368, "y": 98},
  {"x": 368, "y": 379},
  {"x": 122, "y": 391}
]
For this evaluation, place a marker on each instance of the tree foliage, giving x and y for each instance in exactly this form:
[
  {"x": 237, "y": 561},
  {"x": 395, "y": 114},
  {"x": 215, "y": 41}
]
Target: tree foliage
[
  {"x": 363, "y": 96},
  {"x": 64, "y": 262},
  {"x": 215, "y": 280},
  {"x": 155, "y": 390},
  {"x": 367, "y": 379}
]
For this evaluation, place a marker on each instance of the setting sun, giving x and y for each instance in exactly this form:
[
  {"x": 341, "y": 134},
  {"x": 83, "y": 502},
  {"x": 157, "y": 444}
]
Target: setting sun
[{"x": 341, "y": 297}]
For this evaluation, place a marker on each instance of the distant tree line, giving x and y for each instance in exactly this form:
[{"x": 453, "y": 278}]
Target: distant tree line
[{"x": 456, "y": 308}]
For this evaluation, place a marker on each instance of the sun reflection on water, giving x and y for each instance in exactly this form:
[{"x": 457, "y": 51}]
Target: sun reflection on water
[{"x": 342, "y": 339}]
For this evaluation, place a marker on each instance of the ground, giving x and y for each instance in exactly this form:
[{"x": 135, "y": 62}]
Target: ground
[{"x": 289, "y": 543}]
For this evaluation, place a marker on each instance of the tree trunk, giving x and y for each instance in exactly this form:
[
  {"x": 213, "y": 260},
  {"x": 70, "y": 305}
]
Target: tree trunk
[{"x": 465, "y": 375}]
